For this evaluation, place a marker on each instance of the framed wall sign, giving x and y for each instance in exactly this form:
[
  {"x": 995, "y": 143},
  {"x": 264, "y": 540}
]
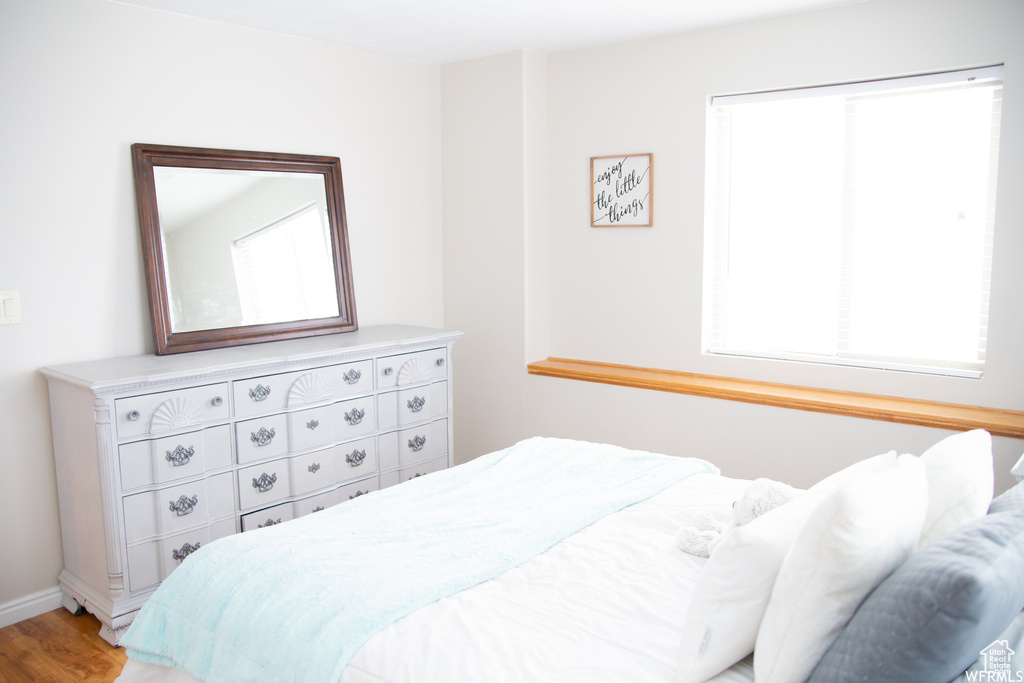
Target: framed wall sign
[{"x": 621, "y": 191}]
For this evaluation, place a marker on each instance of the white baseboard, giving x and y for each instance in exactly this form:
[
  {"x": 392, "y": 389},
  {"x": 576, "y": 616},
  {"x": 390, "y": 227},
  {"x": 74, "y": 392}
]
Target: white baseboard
[{"x": 30, "y": 606}]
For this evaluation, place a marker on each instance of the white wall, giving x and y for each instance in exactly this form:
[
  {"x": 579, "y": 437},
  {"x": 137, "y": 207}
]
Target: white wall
[
  {"x": 80, "y": 81},
  {"x": 633, "y": 295},
  {"x": 485, "y": 211}
]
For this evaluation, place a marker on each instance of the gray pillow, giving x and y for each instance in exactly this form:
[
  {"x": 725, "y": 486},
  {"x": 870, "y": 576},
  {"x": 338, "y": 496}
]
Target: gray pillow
[
  {"x": 1012, "y": 499},
  {"x": 929, "y": 620}
]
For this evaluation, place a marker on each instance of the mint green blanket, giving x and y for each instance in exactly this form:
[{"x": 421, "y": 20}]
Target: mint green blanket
[{"x": 294, "y": 602}]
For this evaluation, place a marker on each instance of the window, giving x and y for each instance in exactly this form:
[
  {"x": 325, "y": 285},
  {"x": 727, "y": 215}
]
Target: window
[
  {"x": 286, "y": 267},
  {"x": 852, "y": 224}
]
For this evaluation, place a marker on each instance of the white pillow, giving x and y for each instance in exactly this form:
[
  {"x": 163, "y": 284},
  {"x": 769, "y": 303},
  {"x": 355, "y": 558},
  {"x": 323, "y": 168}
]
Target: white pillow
[
  {"x": 732, "y": 592},
  {"x": 878, "y": 463},
  {"x": 959, "y": 482},
  {"x": 857, "y": 536}
]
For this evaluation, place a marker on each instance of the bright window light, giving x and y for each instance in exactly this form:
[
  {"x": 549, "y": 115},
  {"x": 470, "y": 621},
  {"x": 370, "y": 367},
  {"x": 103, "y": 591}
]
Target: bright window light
[
  {"x": 286, "y": 267},
  {"x": 853, "y": 224}
]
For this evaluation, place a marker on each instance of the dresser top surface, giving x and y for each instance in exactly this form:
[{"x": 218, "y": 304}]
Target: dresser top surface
[{"x": 150, "y": 368}]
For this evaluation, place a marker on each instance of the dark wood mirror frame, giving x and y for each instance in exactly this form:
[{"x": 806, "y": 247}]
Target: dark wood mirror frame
[{"x": 145, "y": 157}]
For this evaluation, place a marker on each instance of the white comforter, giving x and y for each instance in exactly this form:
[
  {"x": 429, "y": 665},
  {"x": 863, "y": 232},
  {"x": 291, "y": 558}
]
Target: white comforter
[{"x": 606, "y": 604}]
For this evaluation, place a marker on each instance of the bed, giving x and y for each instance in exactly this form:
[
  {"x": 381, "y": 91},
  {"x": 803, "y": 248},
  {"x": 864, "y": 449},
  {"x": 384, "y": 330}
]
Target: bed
[{"x": 557, "y": 560}]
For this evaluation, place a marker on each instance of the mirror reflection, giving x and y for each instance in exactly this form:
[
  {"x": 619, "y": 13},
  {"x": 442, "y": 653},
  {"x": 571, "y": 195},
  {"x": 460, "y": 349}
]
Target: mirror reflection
[{"x": 244, "y": 247}]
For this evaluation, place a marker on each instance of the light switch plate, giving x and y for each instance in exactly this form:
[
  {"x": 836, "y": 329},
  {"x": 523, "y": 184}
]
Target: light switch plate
[{"x": 10, "y": 307}]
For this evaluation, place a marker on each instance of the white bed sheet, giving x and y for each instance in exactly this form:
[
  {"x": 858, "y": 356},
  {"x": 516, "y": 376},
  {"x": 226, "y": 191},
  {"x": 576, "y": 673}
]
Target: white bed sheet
[{"x": 606, "y": 604}]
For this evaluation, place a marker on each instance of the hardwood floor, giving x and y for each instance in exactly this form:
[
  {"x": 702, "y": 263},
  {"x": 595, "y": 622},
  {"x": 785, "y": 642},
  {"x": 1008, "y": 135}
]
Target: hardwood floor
[{"x": 57, "y": 646}]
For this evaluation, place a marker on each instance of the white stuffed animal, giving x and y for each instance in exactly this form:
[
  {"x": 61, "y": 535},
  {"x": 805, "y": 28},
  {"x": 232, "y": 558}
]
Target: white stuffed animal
[
  {"x": 697, "y": 538},
  {"x": 706, "y": 533}
]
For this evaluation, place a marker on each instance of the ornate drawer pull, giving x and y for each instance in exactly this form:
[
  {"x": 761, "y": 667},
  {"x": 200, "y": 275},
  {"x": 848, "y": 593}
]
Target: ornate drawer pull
[
  {"x": 388, "y": 372},
  {"x": 217, "y": 401},
  {"x": 312, "y": 424},
  {"x": 356, "y": 457},
  {"x": 417, "y": 443},
  {"x": 352, "y": 376},
  {"x": 439, "y": 362},
  {"x": 185, "y": 550},
  {"x": 260, "y": 393},
  {"x": 269, "y": 522},
  {"x": 134, "y": 415},
  {"x": 318, "y": 508},
  {"x": 265, "y": 482},
  {"x": 355, "y": 416},
  {"x": 314, "y": 468},
  {"x": 263, "y": 437},
  {"x": 358, "y": 493},
  {"x": 184, "y": 505},
  {"x": 416, "y": 403},
  {"x": 180, "y": 455}
]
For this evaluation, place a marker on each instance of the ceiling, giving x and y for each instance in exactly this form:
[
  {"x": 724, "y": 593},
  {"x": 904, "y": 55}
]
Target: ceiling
[{"x": 441, "y": 31}]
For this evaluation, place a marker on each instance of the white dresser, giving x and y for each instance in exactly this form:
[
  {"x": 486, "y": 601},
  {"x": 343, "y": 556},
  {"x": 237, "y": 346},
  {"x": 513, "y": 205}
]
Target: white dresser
[{"x": 159, "y": 455}]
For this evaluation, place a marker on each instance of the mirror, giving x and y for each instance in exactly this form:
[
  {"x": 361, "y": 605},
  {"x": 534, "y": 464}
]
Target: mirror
[{"x": 242, "y": 247}]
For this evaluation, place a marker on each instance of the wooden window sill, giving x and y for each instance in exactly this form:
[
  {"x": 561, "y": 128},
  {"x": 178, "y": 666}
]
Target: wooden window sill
[{"x": 871, "y": 406}]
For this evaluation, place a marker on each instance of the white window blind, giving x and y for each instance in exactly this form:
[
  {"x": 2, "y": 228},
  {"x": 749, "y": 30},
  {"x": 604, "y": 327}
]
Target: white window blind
[{"x": 852, "y": 224}]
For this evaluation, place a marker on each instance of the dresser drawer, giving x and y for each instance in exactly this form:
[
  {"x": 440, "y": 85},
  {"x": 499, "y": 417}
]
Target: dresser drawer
[
  {"x": 172, "y": 509},
  {"x": 356, "y": 459},
  {"x": 317, "y": 503},
  {"x": 264, "y": 484},
  {"x": 157, "y": 461},
  {"x": 164, "y": 411},
  {"x": 356, "y": 489},
  {"x": 264, "y": 437},
  {"x": 412, "y": 368},
  {"x": 389, "y": 479},
  {"x": 269, "y": 517},
  {"x": 152, "y": 562},
  {"x": 406, "y": 406},
  {"x": 312, "y": 471},
  {"x": 310, "y": 428},
  {"x": 270, "y": 393},
  {"x": 354, "y": 418},
  {"x": 434, "y": 465},
  {"x": 413, "y": 445},
  {"x": 300, "y": 508}
]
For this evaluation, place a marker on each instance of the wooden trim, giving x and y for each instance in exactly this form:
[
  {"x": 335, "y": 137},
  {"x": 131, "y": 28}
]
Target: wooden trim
[{"x": 870, "y": 406}]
